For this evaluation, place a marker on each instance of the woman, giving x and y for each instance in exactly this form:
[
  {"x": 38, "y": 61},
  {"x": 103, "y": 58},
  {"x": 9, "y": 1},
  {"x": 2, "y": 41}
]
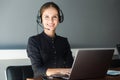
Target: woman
[{"x": 49, "y": 53}]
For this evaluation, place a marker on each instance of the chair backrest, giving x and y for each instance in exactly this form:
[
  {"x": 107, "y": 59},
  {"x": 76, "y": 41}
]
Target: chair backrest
[
  {"x": 116, "y": 62},
  {"x": 19, "y": 72},
  {"x": 118, "y": 48}
]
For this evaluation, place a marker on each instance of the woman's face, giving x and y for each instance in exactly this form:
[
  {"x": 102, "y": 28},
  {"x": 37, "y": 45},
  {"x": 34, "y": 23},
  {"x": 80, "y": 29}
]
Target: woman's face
[{"x": 50, "y": 19}]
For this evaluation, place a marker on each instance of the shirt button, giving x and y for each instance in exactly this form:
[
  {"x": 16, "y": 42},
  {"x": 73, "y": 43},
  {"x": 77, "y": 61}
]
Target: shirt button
[
  {"x": 54, "y": 52},
  {"x": 53, "y": 42},
  {"x": 55, "y": 63}
]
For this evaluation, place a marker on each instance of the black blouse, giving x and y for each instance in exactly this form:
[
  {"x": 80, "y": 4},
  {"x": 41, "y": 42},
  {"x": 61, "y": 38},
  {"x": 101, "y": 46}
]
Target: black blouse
[{"x": 45, "y": 52}]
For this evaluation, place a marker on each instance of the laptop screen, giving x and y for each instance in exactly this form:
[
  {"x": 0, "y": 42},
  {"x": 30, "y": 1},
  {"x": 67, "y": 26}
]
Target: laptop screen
[{"x": 91, "y": 64}]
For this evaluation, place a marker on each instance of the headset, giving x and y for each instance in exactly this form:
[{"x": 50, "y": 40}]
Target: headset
[{"x": 39, "y": 18}]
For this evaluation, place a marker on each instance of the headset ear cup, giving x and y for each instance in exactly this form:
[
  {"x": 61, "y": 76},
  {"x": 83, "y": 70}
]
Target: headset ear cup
[
  {"x": 39, "y": 18},
  {"x": 61, "y": 16}
]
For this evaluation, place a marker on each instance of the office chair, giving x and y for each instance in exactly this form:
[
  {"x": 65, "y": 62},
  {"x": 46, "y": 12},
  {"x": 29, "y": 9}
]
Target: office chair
[
  {"x": 116, "y": 62},
  {"x": 19, "y": 72},
  {"x": 118, "y": 48}
]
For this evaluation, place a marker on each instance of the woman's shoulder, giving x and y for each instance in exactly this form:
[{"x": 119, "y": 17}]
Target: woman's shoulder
[
  {"x": 35, "y": 37},
  {"x": 61, "y": 37}
]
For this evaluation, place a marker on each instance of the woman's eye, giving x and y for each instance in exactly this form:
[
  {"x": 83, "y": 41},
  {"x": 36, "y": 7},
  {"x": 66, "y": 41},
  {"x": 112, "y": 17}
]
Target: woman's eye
[
  {"x": 46, "y": 17},
  {"x": 55, "y": 17}
]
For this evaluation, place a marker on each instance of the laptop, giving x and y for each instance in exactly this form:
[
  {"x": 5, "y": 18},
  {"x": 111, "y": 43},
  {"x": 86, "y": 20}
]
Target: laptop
[{"x": 90, "y": 64}]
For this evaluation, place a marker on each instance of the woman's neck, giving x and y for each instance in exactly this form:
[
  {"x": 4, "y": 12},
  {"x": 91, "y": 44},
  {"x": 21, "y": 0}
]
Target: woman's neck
[{"x": 50, "y": 33}]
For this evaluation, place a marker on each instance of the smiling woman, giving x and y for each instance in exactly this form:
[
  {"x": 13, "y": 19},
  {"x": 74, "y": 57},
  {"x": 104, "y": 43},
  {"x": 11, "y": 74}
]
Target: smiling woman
[{"x": 50, "y": 54}]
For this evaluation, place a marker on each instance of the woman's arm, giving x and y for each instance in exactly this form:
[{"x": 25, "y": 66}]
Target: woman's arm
[{"x": 35, "y": 57}]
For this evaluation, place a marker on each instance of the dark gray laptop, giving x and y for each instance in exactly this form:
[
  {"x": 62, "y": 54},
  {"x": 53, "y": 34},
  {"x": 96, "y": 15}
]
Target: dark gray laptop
[{"x": 90, "y": 64}]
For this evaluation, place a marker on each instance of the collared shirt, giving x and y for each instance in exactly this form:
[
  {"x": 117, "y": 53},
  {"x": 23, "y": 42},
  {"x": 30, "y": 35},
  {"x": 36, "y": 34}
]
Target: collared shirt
[{"x": 46, "y": 52}]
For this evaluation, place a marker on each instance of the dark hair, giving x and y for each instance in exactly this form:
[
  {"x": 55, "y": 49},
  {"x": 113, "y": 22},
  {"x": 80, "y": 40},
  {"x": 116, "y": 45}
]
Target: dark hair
[{"x": 51, "y": 4}]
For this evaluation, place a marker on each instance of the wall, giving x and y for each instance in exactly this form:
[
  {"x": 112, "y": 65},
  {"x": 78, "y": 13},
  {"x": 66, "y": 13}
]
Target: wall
[{"x": 88, "y": 23}]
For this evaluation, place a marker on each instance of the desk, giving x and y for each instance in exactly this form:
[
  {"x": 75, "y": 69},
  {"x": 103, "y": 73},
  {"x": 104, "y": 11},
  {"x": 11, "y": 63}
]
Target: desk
[{"x": 105, "y": 78}]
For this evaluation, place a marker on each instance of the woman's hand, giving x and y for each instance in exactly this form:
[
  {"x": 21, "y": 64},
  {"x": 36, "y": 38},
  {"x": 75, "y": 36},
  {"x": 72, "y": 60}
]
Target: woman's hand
[{"x": 58, "y": 71}]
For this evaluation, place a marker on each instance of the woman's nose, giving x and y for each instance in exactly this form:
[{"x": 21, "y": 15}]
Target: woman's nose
[{"x": 51, "y": 20}]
